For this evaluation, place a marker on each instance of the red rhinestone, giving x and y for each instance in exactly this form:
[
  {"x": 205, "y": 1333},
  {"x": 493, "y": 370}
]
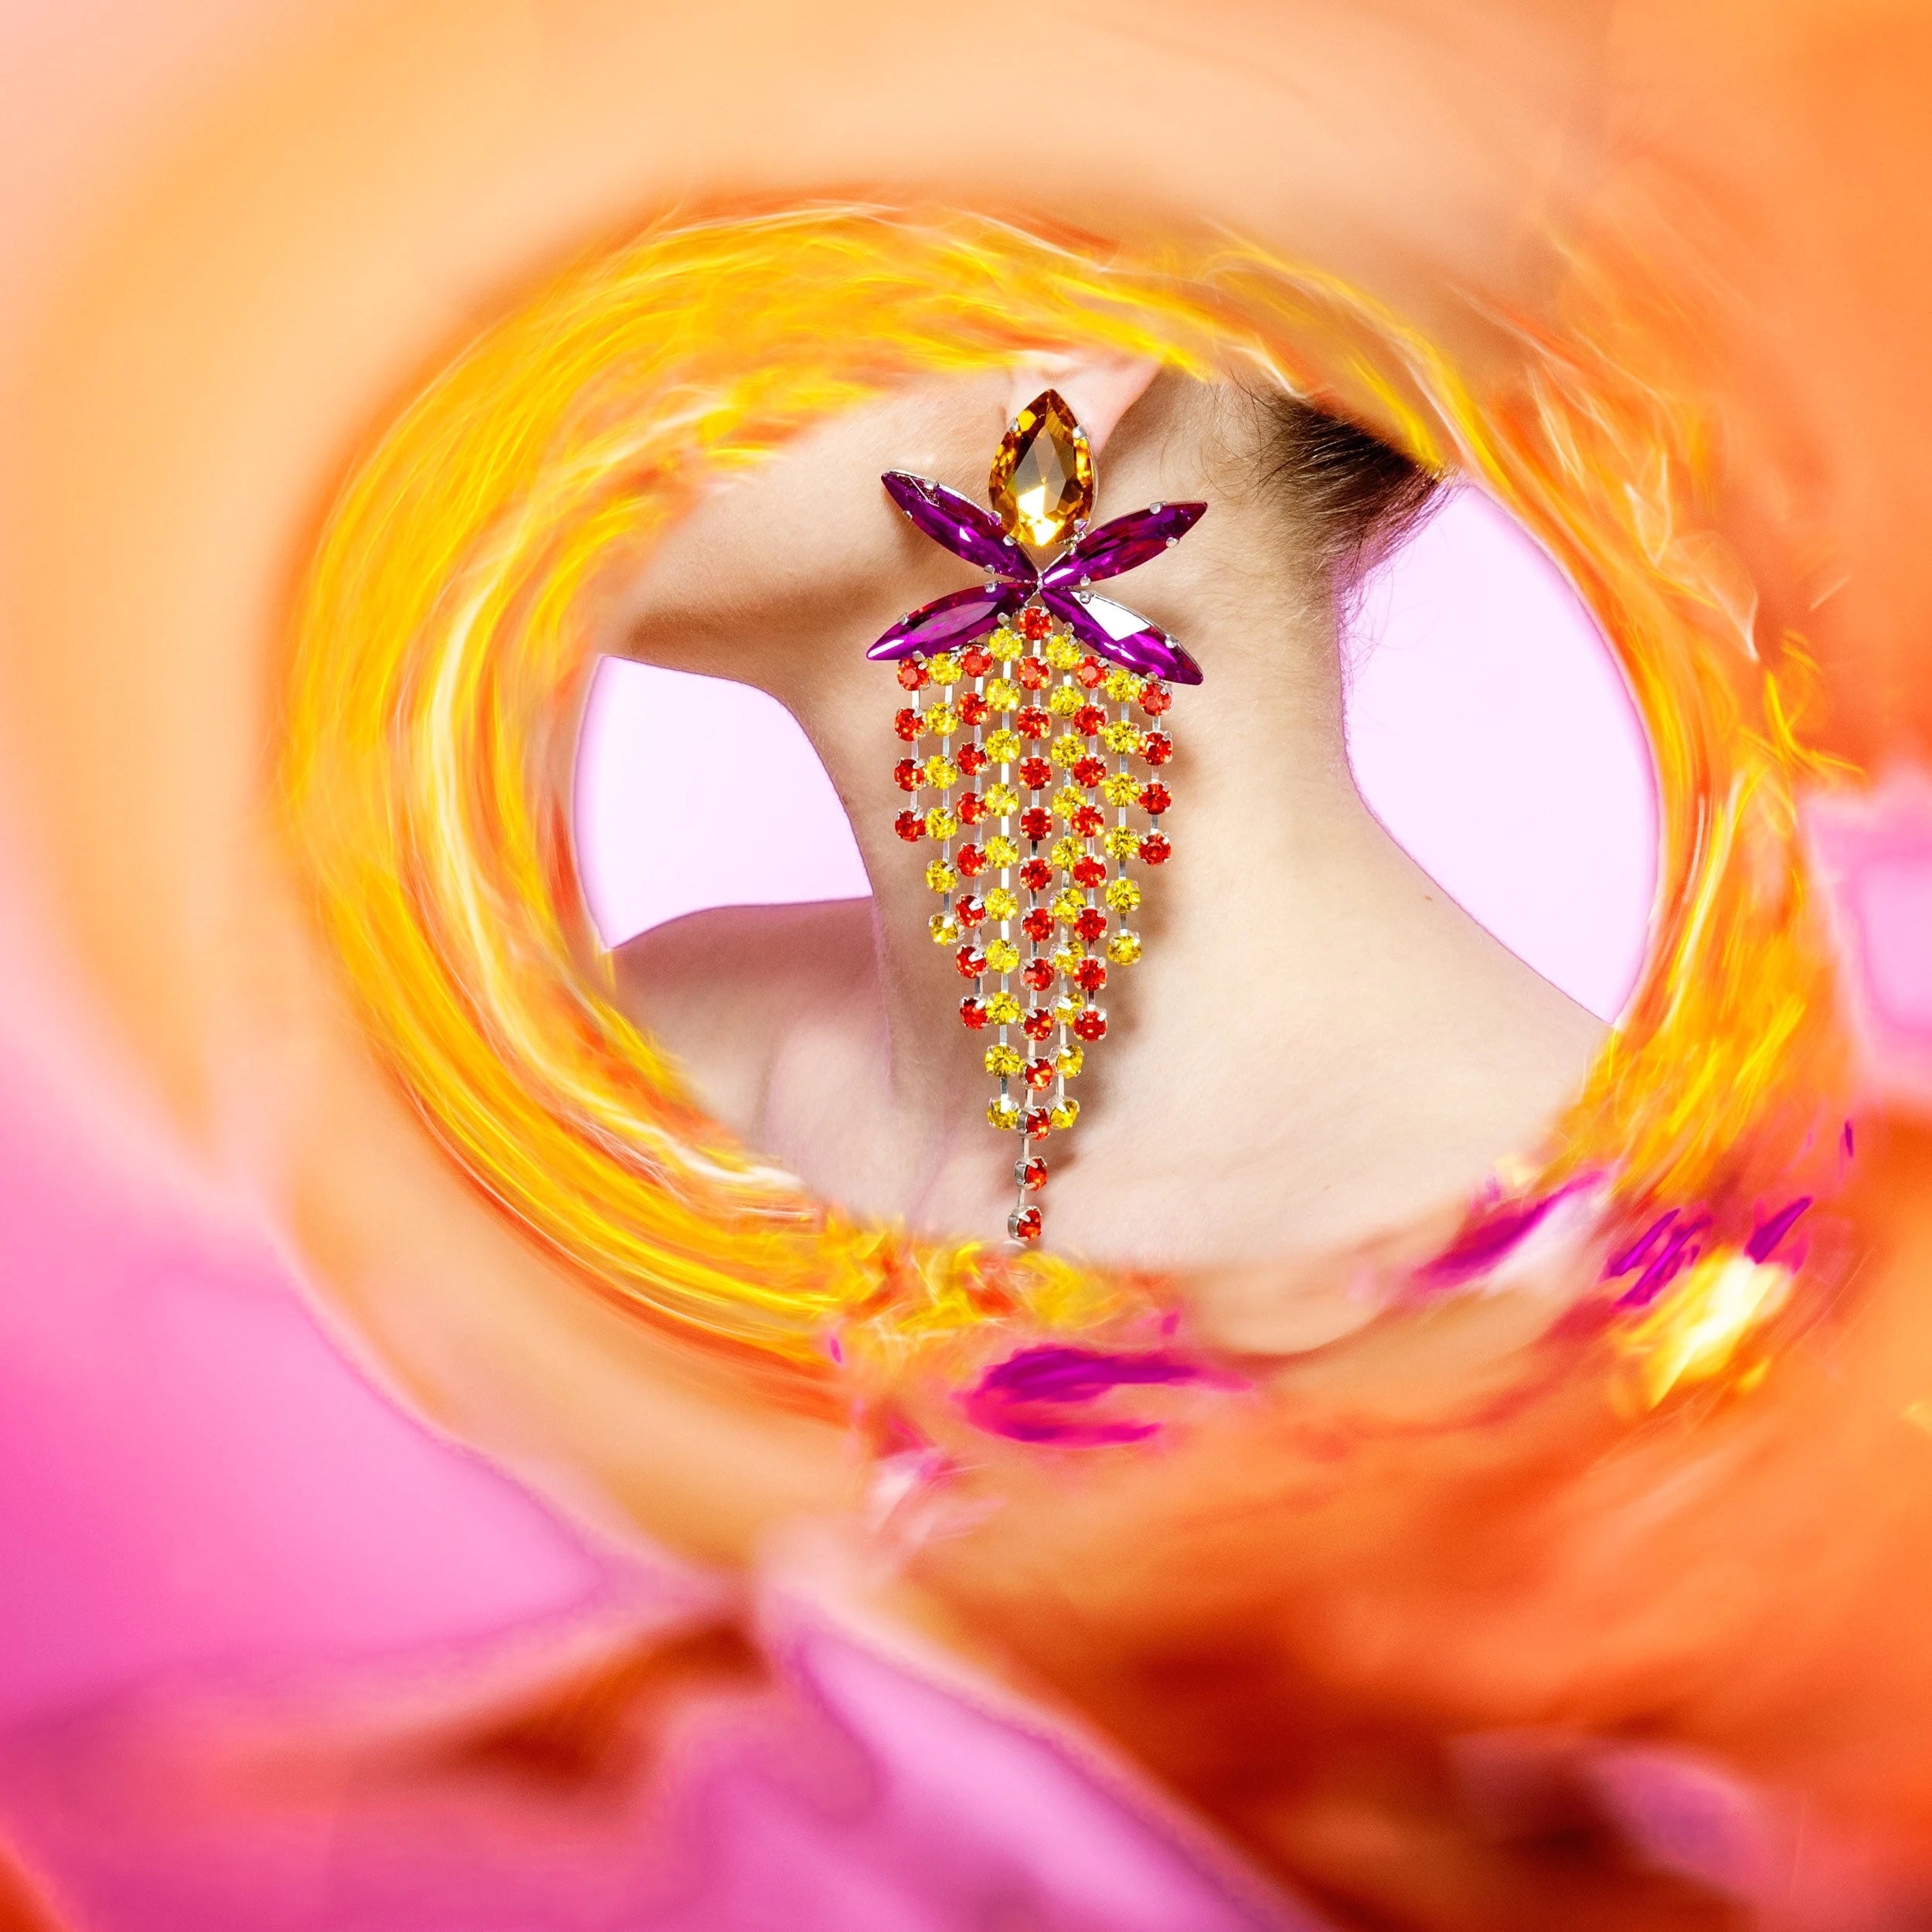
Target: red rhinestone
[
  {"x": 1089, "y": 1023},
  {"x": 913, "y": 674},
  {"x": 1033, "y": 722},
  {"x": 1036, "y": 1123},
  {"x": 1037, "y": 925},
  {"x": 1088, "y": 720},
  {"x": 907, "y": 776},
  {"x": 1091, "y": 974},
  {"x": 972, "y": 707},
  {"x": 1034, "y": 624},
  {"x": 1089, "y": 871},
  {"x": 972, "y": 758},
  {"x": 971, "y": 860},
  {"x": 1156, "y": 849},
  {"x": 969, "y": 909},
  {"x": 1037, "y": 874},
  {"x": 1039, "y": 1075},
  {"x": 1038, "y": 973},
  {"x": 1091, "y": 674},
  {"x": 1089, "y": 770},
  {"x": 1034, "y": 673},
  {"x": 971, "y": 807},
  {"x": 910, "y": 827},
  {"x": 1023, "y": 1224},
  {"x": 1036, "y": 822},
  {"x": 1038, "y": 1023},
  {"x": 1088, "y": 821},
  {"x": 972, "y": 962},
  {"x": 974, "y": 661},
  {"x": 907, "y": 724},
  {"x": 1030, "y": 1173},
  {"x": 1155, "y": 798},
  {"x": 1157, "y": 747},
  {"x": 973, "y": 1013},
  {"x": 1090, "y": 924},
  {"x": 1156, "y": 699},
  {"x": 1036, "y": 773}
]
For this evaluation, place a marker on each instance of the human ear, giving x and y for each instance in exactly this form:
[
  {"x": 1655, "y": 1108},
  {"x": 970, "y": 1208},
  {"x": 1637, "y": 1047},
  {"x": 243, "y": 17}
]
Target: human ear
[{"x": 1099, "y": 390}]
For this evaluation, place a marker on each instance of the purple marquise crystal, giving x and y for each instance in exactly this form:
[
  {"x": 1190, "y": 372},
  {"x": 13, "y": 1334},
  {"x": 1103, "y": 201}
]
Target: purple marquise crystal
[
  {"x": 949, "y": 622},
  {"x": 961, "y": 526},
  {"x": 1124, "y": 544},
  {"x": 1113, "y": 631}
]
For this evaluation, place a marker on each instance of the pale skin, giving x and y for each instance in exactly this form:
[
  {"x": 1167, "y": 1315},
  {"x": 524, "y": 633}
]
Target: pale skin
[{"x": 1319, "y": 1045}]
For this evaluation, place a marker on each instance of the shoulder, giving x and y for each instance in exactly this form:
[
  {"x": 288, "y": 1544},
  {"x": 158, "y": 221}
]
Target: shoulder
[{"x": 721, "y": 990}]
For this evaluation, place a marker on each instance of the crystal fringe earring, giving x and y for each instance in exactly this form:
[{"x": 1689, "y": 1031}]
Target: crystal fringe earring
[{"x": 1027, "y": 683}]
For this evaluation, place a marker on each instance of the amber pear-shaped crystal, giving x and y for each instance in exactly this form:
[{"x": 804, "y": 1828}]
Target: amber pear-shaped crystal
[{"x": 1042, "y": 480}]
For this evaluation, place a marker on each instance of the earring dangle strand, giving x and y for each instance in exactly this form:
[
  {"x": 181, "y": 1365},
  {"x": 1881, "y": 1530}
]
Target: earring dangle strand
[{"x": 1024, "y": 692}]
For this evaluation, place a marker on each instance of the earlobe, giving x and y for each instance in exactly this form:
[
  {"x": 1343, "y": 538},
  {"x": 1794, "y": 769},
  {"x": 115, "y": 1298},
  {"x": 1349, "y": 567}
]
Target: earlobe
[{"x": 1099, "y": 390}]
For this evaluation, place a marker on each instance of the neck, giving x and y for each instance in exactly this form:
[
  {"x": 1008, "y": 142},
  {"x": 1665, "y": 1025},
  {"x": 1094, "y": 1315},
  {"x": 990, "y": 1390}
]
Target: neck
[{"x": 1270, "y": 839}]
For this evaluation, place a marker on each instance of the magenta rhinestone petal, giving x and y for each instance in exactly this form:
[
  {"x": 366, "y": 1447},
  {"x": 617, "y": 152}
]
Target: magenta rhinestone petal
[
  {"x": 960, "y": 524},
  {"x": 949, "y": 622},
  {"x": 1111, "y": 631},
  {"x": 1124, "y": 544}
]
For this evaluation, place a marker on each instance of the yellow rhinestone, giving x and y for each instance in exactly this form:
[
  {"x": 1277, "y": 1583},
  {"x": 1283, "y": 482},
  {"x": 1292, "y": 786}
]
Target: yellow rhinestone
[
  {"x": 1121, "y": 788},
  {"x": 1068, "y": 957},
  {"x": 1043, "y": 478},
  {"x": 1004, "y": 1061},
  {"x": 1123, "y": 895},
  {"x": 1122, "y": 686},
  {"x": 1123, "y": 948},
  {"x": 1002, "y": 746},
  {"x": 1006, "y": 645},
  {"x": 941, "y": 774},
  {"x": 1065, "y": 748},
  {"x": 1067, "y": 1010},
  {"x": 1002, "y": 1009},
  {"x": 1119, "y": 842},
  {"x": 1003, "y": 695},
  {"x": 1001, "y": 903},
  {"x": 940, "y": 823},
  {"x": 1068, "y": 1062},
  {"x": 1002, "y": 955},
  {"x": 944, "y": 667},
  {"x": 1000, "y": 850},
  {"x": 1068, "y": 903},
  {"x": 1064, "y": 699},
  {"x": 942, "y": 721},
  {"x": 944, "y": 929},
  {"x": 1068, "y": 800},
  {"x": 1121, "y": 737},
  {"x": 1066, "y": 1112},
  {"x": 941, "y": 877},
  {"x": 1063, "y": 654},
  {"x": 1002, "y": 1113},
  {"x": 1064, "y": 852}
]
